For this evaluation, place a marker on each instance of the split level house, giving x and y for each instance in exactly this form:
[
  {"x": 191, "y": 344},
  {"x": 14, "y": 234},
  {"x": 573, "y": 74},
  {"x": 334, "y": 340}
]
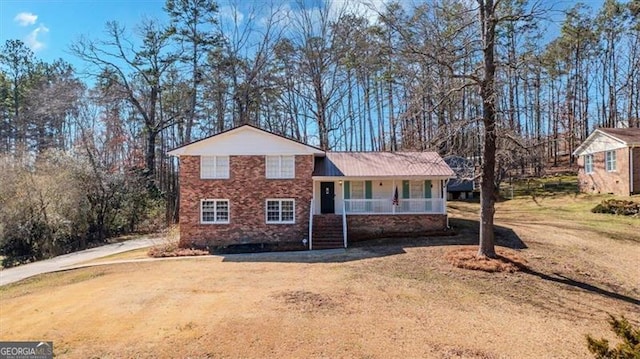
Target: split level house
[
  {"x": 250, "y": 187},
  {"x": 609, "y": 161}
]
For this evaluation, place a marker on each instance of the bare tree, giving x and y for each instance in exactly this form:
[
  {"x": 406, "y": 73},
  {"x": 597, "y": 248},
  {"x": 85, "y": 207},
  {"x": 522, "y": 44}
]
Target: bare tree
[{"x": 134, "y": 73}]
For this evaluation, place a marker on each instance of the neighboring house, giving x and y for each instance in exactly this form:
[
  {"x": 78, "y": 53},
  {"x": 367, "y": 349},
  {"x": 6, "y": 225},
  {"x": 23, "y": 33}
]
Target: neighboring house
[
  {"x": 609, "y": 161},
  {"x": 463, "y": 185},
  {"x": 247, "y": 186}
]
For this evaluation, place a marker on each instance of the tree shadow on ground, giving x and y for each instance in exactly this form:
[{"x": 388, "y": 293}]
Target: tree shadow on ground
[
  {"x": 562, "y": 279},
  {"x": 463, "y": 232}
]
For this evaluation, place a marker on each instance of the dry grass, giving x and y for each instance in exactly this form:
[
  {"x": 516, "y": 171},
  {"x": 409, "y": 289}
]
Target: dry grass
[
  {"x": 467, "y": 258},
  {"x": 173, "y": 250},
  {"x": 402, "y": 300}
]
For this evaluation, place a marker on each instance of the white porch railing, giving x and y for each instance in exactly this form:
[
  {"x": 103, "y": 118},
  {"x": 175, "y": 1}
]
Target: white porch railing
[{"x": 405, "y": 205}]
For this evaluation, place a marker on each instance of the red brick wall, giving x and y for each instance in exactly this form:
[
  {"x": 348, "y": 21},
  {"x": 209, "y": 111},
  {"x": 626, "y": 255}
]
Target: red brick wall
[
  {"x": 247, "y": 190},
  {"x": 601, "y": 181},
  {"x": 362, "y": 227}
]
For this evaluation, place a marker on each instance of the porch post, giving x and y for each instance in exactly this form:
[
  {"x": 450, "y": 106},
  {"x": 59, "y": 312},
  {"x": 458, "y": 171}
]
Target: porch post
[{"x": 393, "y": 193}]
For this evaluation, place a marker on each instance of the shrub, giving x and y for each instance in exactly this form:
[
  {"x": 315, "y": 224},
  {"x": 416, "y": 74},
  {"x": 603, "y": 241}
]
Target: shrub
[
  {"x": 628, "y": 348},
  {"x": 61, "y": 202},
  {"x": 618, "y": 206}
]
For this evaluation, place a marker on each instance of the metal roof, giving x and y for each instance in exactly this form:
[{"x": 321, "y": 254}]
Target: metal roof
[
  {"x": 382, "y": 164},
  {"x": 630, "y": 136}
]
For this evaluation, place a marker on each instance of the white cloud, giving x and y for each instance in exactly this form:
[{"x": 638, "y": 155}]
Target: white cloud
[
  {"x": 25, "y": 18},
  {"x": 230, "y": 14},
  {"x": 366, "y": 8},
  {"x": 33, "y": 39}
]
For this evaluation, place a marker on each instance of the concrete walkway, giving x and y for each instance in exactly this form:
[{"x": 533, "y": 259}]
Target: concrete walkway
[{"x": 70, "y": 260}]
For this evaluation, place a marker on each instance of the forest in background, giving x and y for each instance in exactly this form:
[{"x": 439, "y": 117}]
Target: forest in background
[{"x": 83, "y": 151}]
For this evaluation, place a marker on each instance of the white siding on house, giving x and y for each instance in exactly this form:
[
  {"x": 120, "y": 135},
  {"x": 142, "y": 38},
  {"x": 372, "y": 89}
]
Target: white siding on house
[
  {"x": 245, "y": 141},
  {"x": 600, "y": 143}
]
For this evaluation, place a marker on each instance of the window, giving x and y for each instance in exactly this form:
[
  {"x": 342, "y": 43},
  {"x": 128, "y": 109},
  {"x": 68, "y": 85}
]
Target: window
[
  {"x": 214, "y": 167},
  {"x": 214, "y": 211},
  {"x": 588, "y": 164},
  {"x": 357, "y": 189},
  {"x": 280, "y": 166},
  {"x": 281, "y": 211},
  {"x": 417, "y": 189},
  {"x": 610, "y": 161}
]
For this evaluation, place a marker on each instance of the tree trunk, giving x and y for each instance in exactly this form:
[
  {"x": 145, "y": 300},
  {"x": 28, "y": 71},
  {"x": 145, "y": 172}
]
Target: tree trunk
[{"x": 488, "y": 93}]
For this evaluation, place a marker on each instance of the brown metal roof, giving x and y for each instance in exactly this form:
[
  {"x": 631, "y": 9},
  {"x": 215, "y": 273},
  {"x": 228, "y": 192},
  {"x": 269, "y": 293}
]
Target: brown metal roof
[
  {"x": 630, "y": 136},
  {"x": 381, "y": 164}
]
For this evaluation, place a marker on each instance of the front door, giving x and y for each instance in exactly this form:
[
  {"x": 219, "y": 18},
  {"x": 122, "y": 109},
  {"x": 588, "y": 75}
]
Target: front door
[{"x": 327, "y": 197}]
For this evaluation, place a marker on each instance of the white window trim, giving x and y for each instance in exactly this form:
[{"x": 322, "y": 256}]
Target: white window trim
[
  {"x": 279, "y": 175},
  {"x": 215, "y": 200},
  {"x": 610, "y": 166},
  {"x": 266, "y": 210},
  {"x": 589, "y": 169},
  {"x": 215, "y": 167}
]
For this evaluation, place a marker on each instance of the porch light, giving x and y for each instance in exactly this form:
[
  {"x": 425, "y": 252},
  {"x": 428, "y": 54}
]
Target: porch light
[
  {"x": 340, "y": 183},
  {"x": 381, "y": 184}
]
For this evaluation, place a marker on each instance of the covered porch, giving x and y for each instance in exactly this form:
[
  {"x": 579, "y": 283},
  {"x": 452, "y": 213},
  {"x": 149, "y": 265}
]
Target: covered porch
[
  {"x": 364, "y": 195},
  {"x": 379, "y": 196}
]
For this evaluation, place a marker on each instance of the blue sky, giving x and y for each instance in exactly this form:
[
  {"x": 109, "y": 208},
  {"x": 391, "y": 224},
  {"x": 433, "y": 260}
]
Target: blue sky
[{"x": 49, "y": 26}]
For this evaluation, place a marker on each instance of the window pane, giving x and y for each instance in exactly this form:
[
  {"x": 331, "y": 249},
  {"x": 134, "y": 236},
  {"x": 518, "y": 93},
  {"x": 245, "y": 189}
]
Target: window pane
[
  {"x": 357, "y": 190},
  {"x": 273, "y": 166},
  {"x": 222, "y": 167},
  {"x": 417, "y": 189},
  {"x": 222, "y": 211},
  {"x": 288, "y": 167},
  {"x": 273, "y": 211},
  {"x": 208, "y": 211},
  {"x": 287, "y": 211},
  {"x": 207, "y": 166}
]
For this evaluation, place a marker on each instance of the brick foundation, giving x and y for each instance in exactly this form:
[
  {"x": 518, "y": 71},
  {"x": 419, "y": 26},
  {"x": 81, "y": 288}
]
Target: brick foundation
[
  {"x": 363, "y": 227},
  {"x": 247, "y": 190}
]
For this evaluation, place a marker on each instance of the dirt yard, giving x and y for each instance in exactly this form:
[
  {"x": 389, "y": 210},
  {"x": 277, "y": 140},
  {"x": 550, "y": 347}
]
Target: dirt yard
[{"x": 385, "y": 299}]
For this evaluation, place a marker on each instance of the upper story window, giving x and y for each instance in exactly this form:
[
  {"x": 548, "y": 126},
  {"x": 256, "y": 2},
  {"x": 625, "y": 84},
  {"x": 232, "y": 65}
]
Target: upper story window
[
  {"x": 610, "y": 161},
  {"x": 214, "y": 167},
  {"x": 280, "y": 166},
  {"x": 588, "y": 164}
]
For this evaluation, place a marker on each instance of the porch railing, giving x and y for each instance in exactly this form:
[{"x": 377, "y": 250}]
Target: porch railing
[{"x": 386, "y": 206}]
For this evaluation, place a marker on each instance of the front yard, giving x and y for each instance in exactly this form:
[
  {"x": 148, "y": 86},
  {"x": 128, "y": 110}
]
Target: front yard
[{"x": 385, "y": 300}]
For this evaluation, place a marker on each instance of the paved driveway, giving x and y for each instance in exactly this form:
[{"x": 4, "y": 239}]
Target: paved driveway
[{"x": 15, "y": 274}]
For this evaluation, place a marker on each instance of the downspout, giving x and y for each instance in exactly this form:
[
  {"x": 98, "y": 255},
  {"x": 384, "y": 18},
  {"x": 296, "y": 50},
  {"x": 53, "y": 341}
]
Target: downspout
[
  {"x": 630, "y": 170},
  {"x": 444, "y": 199},
  {"x": 344, "y": 217},
  {"x": 631, "y": 189}
]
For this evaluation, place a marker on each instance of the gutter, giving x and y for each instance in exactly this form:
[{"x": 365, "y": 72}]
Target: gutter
[
  {"x": 631, "y": 189},
  {"x": 444, "y": 199}
]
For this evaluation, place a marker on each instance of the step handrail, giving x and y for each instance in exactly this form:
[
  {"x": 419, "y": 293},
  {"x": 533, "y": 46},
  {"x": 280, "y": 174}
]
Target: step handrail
[
  {"x": 311, "y": 225},
  {"x": 344, "y": 224}
]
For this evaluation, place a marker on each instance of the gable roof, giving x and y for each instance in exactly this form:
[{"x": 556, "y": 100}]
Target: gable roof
[
  {"x": 630, "y": 136},
  {"x": 382, "y": 164},
  {"x": 604, "y": 139},
  {"x": 245, "y": 140}
]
